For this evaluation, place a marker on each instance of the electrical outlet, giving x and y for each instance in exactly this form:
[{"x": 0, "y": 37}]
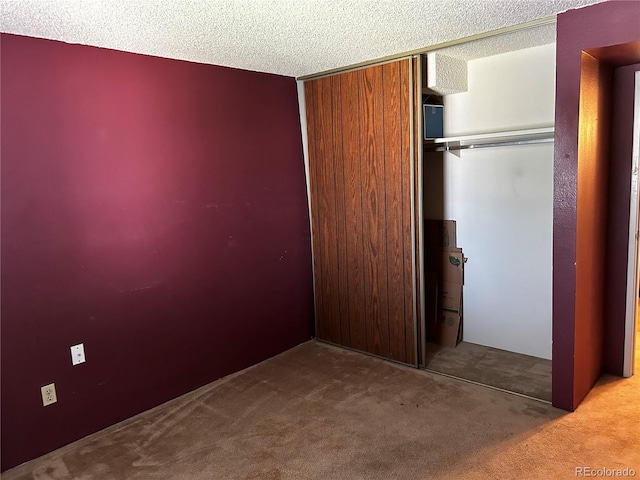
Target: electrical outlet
[
  {"x": 49, "y": 394},
  {"x": 77, "y": 354}
]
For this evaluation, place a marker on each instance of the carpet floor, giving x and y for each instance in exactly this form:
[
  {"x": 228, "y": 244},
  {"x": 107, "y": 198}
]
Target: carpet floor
[
  {"x": 321, "y": 412},
  {"x": 510, "y": 371}
]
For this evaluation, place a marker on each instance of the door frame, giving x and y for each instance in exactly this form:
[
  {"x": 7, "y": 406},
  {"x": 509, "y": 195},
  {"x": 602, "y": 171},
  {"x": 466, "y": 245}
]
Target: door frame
[{"x": 632, "y": 268}]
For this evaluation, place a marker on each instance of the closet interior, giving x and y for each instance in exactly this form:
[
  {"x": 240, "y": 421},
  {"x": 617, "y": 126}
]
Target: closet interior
[{"x": 487, "y": 207}]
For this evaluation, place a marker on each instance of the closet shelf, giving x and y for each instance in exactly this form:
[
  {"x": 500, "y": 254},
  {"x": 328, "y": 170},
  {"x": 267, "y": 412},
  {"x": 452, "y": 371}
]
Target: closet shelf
[{"x": 495, "y": 139}]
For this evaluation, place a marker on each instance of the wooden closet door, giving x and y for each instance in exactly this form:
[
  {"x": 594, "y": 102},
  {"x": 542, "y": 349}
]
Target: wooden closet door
[{"x": 360, "y": 165}]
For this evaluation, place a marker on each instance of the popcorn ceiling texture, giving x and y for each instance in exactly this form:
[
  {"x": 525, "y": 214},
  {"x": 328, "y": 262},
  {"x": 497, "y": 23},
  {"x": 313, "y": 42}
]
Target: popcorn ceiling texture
[
  {"x": 445, "y": 74},
  {"x": 507, "y": 42},
  {"x": 287, "y": 37},
  {"x": 446, "y": 67}
]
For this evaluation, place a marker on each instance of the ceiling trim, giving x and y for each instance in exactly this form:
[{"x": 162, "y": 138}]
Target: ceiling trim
[{"x": 479, "y": 36}]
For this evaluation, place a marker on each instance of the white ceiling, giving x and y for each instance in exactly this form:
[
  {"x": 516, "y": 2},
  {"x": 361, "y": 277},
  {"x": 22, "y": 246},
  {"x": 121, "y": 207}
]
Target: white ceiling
[{"x": 288, "y": 37}]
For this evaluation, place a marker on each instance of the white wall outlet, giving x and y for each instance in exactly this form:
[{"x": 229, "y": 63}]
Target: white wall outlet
[
  {"x": 77, "y": 354},
  {"x": 49, "y": 394}
]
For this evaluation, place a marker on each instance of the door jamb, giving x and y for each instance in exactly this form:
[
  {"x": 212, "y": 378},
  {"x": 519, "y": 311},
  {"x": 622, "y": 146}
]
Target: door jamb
[{"x": 632, "y": 268}]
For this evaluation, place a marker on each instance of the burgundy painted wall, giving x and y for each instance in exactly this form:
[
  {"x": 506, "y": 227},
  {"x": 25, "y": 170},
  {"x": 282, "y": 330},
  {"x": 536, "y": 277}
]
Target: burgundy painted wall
[
  {"x": 154, "y": 210},
  {"x": 600, "y": 25},
  {"x": 618, "y": 208}
]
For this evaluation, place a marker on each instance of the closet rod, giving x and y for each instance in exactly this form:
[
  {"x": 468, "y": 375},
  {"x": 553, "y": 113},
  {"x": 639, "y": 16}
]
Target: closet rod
[{"x": 448, "y": 148}]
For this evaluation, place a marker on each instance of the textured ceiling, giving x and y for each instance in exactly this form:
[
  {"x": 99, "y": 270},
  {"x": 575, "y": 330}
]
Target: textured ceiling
[
  {"x": 288, "y": 37},
  {"x": 505, "y": 42}
]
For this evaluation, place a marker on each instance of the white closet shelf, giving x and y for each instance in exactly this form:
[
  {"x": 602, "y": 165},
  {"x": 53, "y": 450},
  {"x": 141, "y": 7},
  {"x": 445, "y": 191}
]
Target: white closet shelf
[{"x": 493, "y": 139}]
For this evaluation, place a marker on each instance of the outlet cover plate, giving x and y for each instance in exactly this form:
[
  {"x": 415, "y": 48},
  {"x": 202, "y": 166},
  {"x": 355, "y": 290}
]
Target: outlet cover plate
[
  {"x": 77, "y": 354},
  {"x": 49, "y": 394}
]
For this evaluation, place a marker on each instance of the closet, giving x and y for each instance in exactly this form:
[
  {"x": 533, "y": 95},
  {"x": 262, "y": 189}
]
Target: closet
[
  {"x": 492, "y": 172},
  {"x": 374, "y": 181}
]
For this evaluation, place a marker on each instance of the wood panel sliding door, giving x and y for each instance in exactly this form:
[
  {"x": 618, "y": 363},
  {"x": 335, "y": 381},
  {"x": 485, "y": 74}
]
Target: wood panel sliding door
[{"x": 360, "y": 166}]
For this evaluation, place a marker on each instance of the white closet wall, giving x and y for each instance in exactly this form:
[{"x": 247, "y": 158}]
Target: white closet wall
[{"x": 502, "y": 200}]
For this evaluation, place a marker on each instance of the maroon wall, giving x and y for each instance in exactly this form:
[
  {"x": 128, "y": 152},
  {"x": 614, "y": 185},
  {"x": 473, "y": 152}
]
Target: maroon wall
[
  {"x": 600, "y": 25},
  {"x": 154, "y": 210},
  {"x": 618, "y": 227}
]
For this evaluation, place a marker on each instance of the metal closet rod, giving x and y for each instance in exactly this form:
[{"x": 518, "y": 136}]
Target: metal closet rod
[
  {"x": 447, "y": 148},
  {"x": 390, "y": 58}
]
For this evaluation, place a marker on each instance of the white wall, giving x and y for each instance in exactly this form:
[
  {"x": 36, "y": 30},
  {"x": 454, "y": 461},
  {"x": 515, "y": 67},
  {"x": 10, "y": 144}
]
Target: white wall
[
  {"x": 510, "y": 91},
  {"x": 502, "y": 200}
]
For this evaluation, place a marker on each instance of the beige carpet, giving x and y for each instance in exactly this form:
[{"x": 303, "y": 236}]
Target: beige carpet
[
  {"x": 510, "y": 371},
  {"x": 320, "y": 412}
]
